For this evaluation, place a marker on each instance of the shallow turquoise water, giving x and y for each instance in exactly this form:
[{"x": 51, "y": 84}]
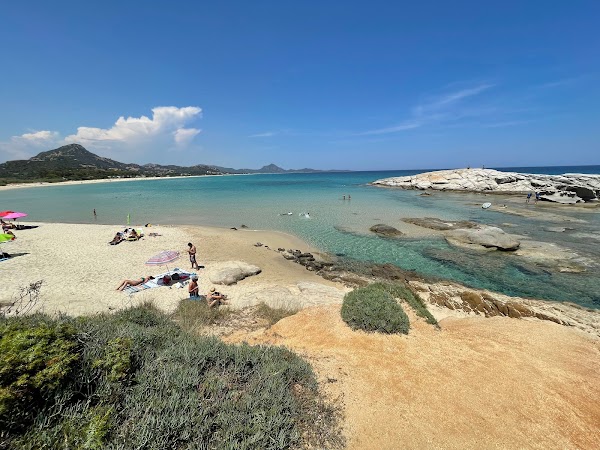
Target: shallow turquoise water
[{"x": 335, "y": 226}]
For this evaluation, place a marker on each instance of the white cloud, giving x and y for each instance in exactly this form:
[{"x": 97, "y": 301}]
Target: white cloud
[
  {"x": 132, "y": 130},
  {"x": 39, "y": 137},
  {"x": 149, "y": 137},
  {"x": 434, "y": 110},
  {"x": 183, "y": 136},
  {"x": 265, "y": 134}
]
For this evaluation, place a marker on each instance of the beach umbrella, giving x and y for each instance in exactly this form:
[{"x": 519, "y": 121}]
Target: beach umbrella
[
  {"x": 3, "y": 213},
  {"x": 12, "y": 215},
  {"x": 163, "y": 258}
]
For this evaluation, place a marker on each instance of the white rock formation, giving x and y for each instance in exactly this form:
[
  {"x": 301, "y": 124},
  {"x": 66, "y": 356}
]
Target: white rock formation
[
  {"x": 567, "y": 188},
  {"x": 230, "y": 272}
]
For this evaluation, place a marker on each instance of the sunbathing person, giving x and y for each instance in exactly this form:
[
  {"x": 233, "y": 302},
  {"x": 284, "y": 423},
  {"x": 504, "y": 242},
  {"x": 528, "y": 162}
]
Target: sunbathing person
[
  {"x": 133, "y": 235},
  {"x": 127, "y": 283},
  {"x": 215, "y": 298},
  {"x": 117, "y": 239}
]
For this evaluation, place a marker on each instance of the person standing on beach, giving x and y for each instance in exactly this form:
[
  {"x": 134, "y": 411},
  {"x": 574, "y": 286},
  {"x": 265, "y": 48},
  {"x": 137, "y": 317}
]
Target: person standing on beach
[
  {"x": 192, "y": 252},
  {"x": 528, "y": 197},
  {"x": 537, "y": 197}
]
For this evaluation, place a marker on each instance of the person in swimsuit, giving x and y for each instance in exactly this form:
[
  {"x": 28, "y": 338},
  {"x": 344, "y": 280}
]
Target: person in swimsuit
[
  {"x": 126, "y": 283},
  {"x": 216, "y": 298},
  {"x": 193, "y": 288},
  {"x": 192, "y": 253}
]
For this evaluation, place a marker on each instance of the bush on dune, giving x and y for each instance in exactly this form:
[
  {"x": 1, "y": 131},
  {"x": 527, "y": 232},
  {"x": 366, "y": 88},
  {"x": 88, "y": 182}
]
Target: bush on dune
[
  {"x": 137, "y": 380},
  {"x": 374, "y": 309}
]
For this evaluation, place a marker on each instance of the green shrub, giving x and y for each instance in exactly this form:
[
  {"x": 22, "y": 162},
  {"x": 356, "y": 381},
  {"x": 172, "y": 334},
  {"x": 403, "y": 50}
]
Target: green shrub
[
  {"x": 139, "y": 381},
  {"x": 36, "y": 357},
  {"x": 374, "y": 309},
  {"x": 193, "y": 315},
  {"x": 404, "y": 293}
]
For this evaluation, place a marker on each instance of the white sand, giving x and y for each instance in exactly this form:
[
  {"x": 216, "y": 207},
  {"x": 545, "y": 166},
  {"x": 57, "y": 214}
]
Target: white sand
[
  {"x": 103, "y": 180},
  {"x": 80, "y": 271}
]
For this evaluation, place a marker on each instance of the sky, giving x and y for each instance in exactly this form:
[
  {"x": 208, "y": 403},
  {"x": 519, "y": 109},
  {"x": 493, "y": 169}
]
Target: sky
[{"x": 359, "y": 85}]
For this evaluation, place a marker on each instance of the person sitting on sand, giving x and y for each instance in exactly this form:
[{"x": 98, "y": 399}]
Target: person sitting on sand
[
  {"x": 127, "y": 283},
  {"x": 215, "y": 298},
  {"x": 11, "y": 233},
  {"x": 193, "y": 288},
  {"x": 133, "y": 235}
]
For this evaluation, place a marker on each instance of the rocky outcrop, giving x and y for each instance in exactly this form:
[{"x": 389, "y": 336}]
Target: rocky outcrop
[
  {"x": 486, "y": 236},
  {"x": 230, "y": 272},
  {"x": 464, "y": 232},
  {"x": 474, "y": 301},
  {"x": 292, "y": 298},
  {"x": 434, "y": 223},
  {"x": 386, "y": 230},
  {"x": 567, "y": 188}
]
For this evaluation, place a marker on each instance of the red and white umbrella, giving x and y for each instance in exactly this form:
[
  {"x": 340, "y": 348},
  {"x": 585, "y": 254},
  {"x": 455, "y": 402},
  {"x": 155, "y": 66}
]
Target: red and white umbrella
[{"x": 164, "y": 257}]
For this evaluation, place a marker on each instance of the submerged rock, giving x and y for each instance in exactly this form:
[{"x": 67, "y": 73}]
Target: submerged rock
[
  {"x": 386, "y": 230},
  {"x": 433, "y": 223}
]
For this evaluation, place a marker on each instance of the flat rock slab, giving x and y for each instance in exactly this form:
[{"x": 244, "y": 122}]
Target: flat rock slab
[
  {"x": 386, "y": 230},
  {"x": 230, "y": 272},
  {"x": 291, "y": 298},
  {"x": 486, "y": 236},
  {"x": 433, "y": 223}
]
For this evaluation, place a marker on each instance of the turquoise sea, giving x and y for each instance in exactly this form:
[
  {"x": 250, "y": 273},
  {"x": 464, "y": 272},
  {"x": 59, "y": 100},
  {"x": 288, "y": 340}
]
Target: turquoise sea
[{"x": 336, "y": 226}]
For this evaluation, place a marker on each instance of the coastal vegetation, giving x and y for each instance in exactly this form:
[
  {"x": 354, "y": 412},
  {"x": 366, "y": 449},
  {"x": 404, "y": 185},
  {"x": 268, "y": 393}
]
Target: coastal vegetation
[
  {"x": 136, "y": 379},
  {"x": 377, "y": 307},
  {"x": 372, "y": 308}
]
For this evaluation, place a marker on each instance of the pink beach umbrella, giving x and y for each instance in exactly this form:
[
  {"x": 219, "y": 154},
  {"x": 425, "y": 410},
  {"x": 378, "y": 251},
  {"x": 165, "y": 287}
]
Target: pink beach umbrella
[
  {"x": 163, "y": 258},
  {"x": 12, "y": 215}
]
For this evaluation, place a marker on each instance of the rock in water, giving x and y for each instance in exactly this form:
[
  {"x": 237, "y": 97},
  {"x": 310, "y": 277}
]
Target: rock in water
[
  {"x": 231, "y": 272},
  {"x": 485, "y": 236},
  {"x": 567, "y": 188},
  {"x": 386, "y": 230}
]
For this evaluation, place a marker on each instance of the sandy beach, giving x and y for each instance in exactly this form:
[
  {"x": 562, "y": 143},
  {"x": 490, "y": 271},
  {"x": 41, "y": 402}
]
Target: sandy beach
[
  {"x": 103, "y": 180},
  {"x": 474, "y": 383},
  {"x": 80, "y": 271}
]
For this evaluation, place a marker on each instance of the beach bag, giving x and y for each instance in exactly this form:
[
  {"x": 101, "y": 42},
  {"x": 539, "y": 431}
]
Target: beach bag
[{"x": 175, "y": 276}]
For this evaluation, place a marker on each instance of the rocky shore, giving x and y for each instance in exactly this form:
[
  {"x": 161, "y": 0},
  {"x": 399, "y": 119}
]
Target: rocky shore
[
  {"x": 566, "y": 188},
  {"x": 448, "y": 298}
]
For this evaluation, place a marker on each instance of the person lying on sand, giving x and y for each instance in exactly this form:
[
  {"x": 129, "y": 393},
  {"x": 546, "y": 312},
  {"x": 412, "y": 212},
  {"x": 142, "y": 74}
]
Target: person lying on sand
[
  {"x": 133, "y": 235},
  {"x": 117, "y": 239},
  {"x": 215, "y": 298},
  {"x": 126, "y": 283}
]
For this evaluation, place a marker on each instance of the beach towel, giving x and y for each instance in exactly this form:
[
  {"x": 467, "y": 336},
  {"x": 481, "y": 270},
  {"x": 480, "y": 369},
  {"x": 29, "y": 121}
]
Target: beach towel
[{"x": 158, "y": 281}]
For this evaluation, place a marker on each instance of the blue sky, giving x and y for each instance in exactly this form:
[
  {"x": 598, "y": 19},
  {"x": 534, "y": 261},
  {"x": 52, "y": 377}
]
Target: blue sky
[{"x": 351, "y": 85}]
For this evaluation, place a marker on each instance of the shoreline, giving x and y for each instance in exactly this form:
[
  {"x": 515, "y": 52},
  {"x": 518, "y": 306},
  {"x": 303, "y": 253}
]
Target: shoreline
[{"x": 106, "y": 180}]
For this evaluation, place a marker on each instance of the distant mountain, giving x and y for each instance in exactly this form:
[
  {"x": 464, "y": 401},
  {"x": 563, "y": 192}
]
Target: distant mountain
[
  {"x": 272, "y": 168},
  {"x": 74, "y": 162}
]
